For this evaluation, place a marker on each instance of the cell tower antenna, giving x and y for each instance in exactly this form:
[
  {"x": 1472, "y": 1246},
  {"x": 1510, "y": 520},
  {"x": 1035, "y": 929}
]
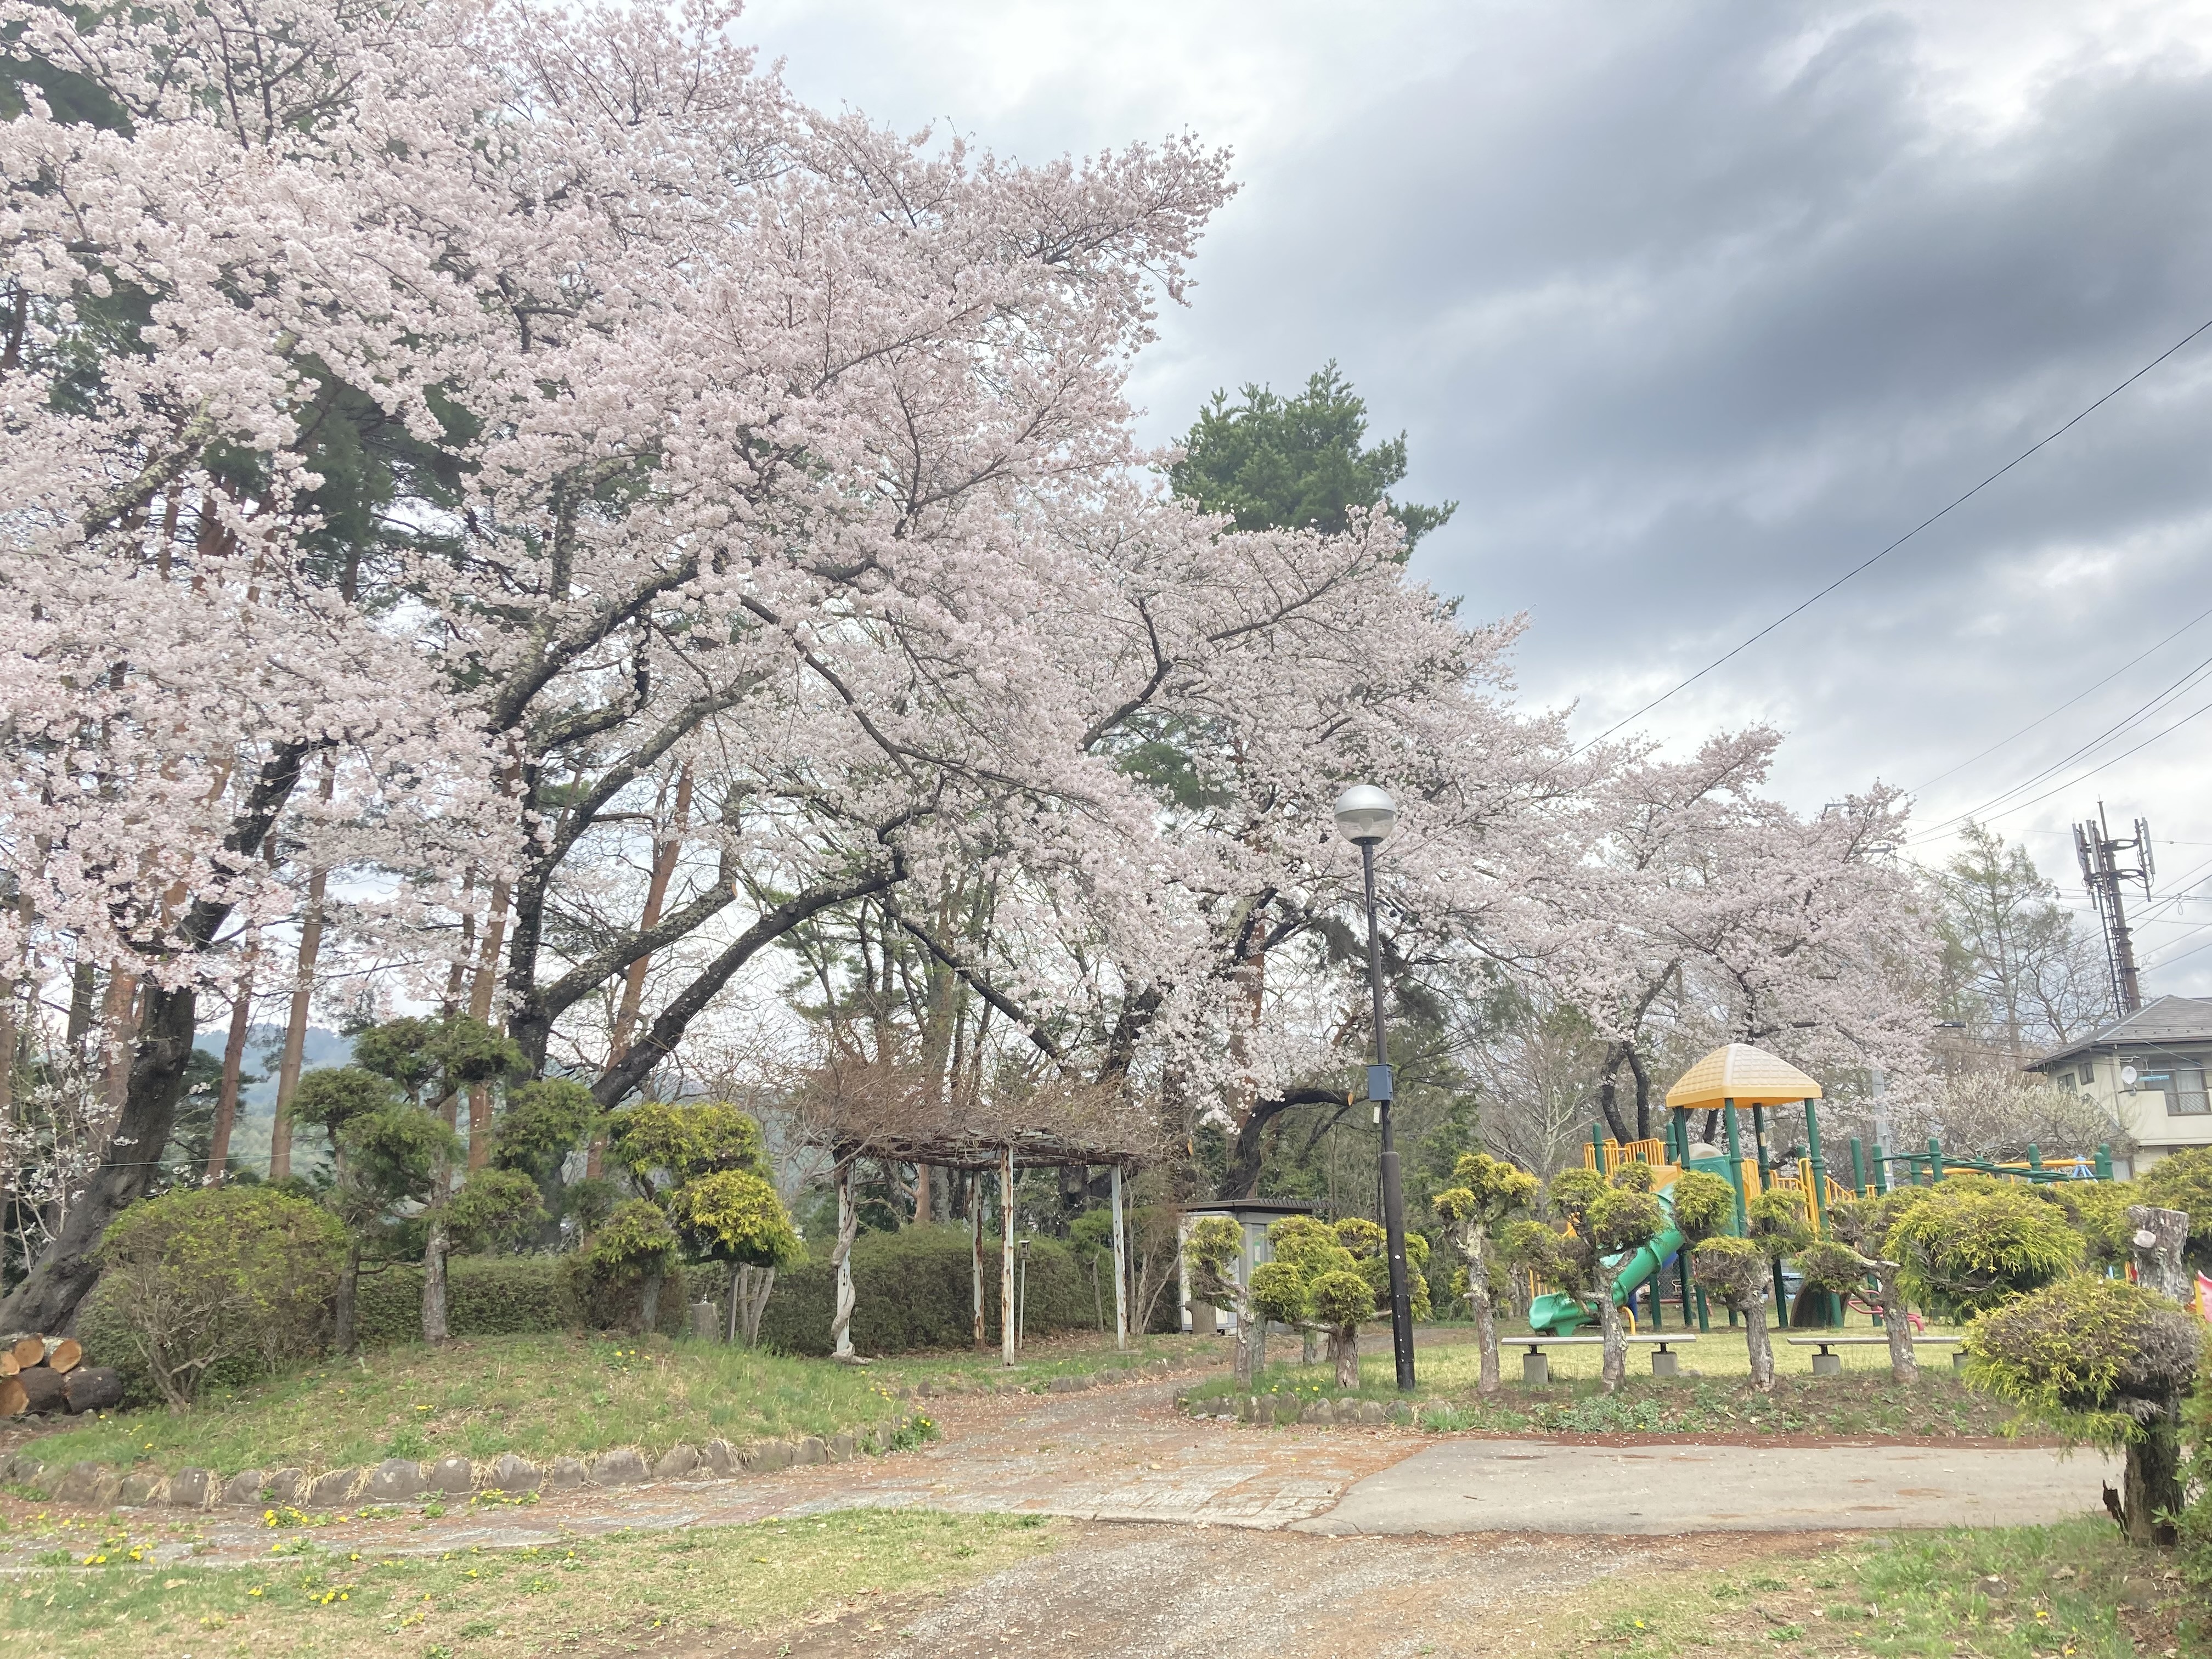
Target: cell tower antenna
[{"x": 2102, "y": 872}]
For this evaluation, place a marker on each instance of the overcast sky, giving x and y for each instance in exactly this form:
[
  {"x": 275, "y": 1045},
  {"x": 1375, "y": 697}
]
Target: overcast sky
[{"x": 1693, "y": 307}]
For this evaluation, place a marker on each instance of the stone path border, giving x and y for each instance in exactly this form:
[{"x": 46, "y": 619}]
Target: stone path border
[{"x": 404, "y": 1480}]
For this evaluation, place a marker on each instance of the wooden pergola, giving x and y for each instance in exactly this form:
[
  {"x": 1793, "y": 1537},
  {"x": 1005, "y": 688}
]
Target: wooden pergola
[{"x": 901, "y": 1115}]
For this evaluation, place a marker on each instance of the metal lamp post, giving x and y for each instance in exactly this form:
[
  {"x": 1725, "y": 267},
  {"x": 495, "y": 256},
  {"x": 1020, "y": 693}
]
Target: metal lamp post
[{"x": 1365, "y": 815}]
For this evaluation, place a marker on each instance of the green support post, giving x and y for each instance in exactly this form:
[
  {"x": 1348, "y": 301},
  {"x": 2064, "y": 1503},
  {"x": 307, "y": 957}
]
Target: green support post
[
  {"x": 1858, "y": 1167},
  {"x": 2103, "y": 1162},
  {"x": 1881, "y": 1169},
  {"x": 1819, "y": 1164},
  {"x": 2034, "y": 1159},
  {"x": 1597, "y": 1146},
  {"x": 1658, "y": 1302},
  {"x": 1736, "y": 1164},
  {"x": 1704, "y": 1313},
  {"x": 1935, "y": 1160}
]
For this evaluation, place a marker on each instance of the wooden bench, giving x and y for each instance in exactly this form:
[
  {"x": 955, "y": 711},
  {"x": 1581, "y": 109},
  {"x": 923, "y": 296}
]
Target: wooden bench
[
  {"x": 1536, "y": 1365},
  {"x": 1828, "y": 1364}
]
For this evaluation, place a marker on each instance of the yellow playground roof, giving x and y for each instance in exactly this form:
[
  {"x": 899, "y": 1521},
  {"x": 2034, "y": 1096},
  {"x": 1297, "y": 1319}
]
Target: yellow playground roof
[{"x": 1748, "y": 1076}]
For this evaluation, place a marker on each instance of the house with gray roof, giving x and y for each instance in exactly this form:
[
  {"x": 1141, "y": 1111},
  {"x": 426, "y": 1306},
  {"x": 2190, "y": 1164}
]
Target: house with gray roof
[{"x": 2147, "y": 1074}]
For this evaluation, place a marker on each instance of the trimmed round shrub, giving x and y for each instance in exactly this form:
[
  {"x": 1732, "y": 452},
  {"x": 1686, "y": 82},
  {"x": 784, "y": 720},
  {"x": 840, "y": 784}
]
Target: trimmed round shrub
[
  {"x": 2099, "y": 1357},
  {"x": 1973, "y": 1242},
  {"x": 211, "y": 1280}
]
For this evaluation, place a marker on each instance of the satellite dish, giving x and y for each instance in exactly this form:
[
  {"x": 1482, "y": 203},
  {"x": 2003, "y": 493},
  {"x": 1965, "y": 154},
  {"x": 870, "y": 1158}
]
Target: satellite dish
[{"x": 2130, "y": 1076}]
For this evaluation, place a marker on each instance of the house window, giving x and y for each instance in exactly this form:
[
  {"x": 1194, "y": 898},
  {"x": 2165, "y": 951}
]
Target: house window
[
  {"x": 2088, "y": 1073},
  {"x": 2188, "y": 1098},
  {"x": 2182, "y": 1085}
]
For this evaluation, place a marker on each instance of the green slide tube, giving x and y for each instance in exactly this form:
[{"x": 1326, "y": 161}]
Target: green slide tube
[{"x": 1560, "y": 1315}]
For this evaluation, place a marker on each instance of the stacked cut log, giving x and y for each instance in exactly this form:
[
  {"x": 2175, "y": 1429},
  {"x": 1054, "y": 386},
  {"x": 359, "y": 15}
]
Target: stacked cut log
[{"x": 46, "y": 1374}]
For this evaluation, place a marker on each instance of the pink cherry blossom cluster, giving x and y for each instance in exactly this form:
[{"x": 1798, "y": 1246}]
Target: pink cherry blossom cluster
[{"x": 516, "y": 484}]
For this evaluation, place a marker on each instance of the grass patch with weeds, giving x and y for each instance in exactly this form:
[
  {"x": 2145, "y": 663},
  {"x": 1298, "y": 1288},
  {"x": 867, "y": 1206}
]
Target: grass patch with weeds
[
  {"x": 543, "y": 1397},
  {"x": 627, "y": 1588},
  {"x": 2070, "y": 1592}
]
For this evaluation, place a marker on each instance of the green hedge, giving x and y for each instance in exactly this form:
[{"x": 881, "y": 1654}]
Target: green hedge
[
  {"x": 506, "y": 1295},
  {"x": 485, "y": 1296},
  {"x": 915, "y": 1289}
]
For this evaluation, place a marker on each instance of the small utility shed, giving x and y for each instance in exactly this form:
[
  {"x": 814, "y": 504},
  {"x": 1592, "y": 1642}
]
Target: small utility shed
[{"x": 1253, "y": 1218}]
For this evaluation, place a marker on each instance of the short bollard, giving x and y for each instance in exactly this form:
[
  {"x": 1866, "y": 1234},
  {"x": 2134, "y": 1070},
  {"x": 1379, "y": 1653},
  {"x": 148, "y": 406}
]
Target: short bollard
[
  {"x": 1827, "y": 1364},
  {"x": 1536, "y": 1367},
  {"x": 1665, "y": 1362}
]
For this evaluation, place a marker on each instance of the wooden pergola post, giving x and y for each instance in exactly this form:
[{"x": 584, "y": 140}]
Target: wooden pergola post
[
  {"x": 849, "y": 1226},
  {"x": 1120, "y": 1267},
  {"x": 975, "y": 1238},
  {"x": 1006, "y": 1257}
]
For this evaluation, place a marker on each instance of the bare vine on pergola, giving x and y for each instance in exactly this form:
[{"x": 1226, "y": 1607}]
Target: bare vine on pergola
[{"x": 854, "y": 1109}]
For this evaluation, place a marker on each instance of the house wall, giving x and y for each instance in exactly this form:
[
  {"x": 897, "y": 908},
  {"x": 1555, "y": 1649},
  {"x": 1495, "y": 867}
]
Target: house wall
[{"x": 2142, "y": 1112}]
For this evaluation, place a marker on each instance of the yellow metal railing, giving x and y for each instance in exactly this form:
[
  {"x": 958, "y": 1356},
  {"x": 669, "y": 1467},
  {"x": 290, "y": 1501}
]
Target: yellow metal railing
[{"x": 1618, "y": 1152}]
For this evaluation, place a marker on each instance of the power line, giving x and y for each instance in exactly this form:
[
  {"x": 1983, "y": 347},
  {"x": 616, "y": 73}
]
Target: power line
[
  {"x": 2083, "y": 777},
  {"x": 2117, "y": 728},
  {"x": 1868, "y": 563},
  {"x": 2067, "y": 704}
]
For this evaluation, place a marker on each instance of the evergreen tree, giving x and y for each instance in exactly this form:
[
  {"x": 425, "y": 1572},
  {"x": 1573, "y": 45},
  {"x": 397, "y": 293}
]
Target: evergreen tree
[{"x": 1299, "y": 463}]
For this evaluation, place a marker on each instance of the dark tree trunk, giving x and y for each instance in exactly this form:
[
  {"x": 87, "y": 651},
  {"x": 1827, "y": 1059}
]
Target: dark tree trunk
[
  {"x": 47, "y": 1299},
  {"x": 660, "y": 1040},
  {"x": 1242, "y": 1179},
  {"x": 2152, "y": 1495},
  {"x": 1608, "y": 1100},
  {"x": 345, "y": 1299},
  {"x": 433, "y": 1282}
]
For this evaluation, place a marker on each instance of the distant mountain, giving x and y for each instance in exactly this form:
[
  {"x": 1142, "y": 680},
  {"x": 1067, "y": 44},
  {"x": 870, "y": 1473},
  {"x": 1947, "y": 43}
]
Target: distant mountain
[{"x": 264, "y": 1047}]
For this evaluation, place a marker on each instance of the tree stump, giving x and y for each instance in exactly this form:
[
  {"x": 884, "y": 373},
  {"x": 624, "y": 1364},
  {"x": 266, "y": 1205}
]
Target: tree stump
[
  {"x": 93, "y": 1389},
  {"x": 42, "y": 1388},
  {"x": 2158, "y": 1236}
]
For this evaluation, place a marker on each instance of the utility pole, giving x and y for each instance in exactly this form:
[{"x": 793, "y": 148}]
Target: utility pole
[{"x": 2102, "y": 872}]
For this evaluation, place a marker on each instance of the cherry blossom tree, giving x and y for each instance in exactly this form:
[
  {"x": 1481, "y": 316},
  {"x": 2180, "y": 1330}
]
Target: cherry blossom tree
[{"x": 705, "y": 421}]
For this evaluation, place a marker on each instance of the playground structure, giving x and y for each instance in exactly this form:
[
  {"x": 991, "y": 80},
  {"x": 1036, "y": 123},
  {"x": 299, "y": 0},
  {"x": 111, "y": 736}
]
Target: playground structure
[{"x": 1730, "y": 1084}]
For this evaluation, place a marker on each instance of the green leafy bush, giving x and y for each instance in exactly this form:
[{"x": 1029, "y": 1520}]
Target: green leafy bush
[
  {"x": 2183, "y": 1180},
  {"x": 203, "y": 1278}
]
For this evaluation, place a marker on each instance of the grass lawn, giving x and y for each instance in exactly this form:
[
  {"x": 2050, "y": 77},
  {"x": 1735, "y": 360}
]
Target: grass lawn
[
  {"x": 623, "y": 1589},
  {"x": 1862, "y": 1402},
  {"x": 2072, "y": 1591},
  {"x": 542, "y": 1396}
]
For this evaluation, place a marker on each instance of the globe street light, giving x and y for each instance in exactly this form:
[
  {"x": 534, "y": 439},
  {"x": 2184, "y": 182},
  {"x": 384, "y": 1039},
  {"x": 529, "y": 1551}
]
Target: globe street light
[{"x": 1365, "y": 815}]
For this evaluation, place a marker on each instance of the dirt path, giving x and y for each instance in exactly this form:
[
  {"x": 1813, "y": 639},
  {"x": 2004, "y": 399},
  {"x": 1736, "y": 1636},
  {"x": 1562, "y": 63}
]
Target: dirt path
[
  {"x": 1235, "y": 1593},
  {"x": 1124, "y": 1453}
]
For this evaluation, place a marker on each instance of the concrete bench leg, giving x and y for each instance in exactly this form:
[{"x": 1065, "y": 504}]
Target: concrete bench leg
[
  {"x": 1958, "y": 1359},
  {"x": 1536, "y": 1367},
  {"x": 1827, "y": 1364},
  {"x": 1666, "y": 1364}
]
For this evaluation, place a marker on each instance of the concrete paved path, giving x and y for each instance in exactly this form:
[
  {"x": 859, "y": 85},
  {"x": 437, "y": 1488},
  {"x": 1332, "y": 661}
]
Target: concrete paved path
[{"x": 1536, "y": 1485}]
